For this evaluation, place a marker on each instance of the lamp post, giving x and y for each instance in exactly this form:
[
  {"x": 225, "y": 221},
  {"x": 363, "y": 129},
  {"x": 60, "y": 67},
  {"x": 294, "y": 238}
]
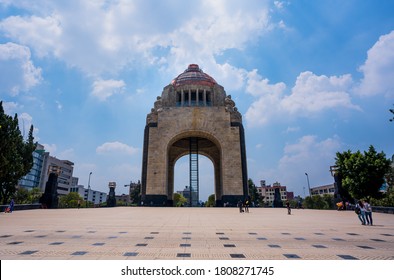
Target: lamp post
[
  {"x": 309, "y": 186},
  {"x": 87, "y": 195}
]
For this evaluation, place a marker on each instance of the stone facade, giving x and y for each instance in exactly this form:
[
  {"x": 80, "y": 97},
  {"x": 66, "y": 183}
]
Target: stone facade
[{"x": 201, "y": 109}]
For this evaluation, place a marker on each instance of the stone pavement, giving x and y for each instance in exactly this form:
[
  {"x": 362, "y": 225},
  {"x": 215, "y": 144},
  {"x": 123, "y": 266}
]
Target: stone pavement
[{"x": 145, "y": 233}]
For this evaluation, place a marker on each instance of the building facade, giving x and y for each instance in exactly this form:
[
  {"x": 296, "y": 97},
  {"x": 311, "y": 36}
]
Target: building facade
[
  {"x": 322, "y": 190},
  {"x": 65, "y": 173},
  {"x": 96, "y": 197},
  {"x": 33, "y": 178},
  {"x": 268, "y": 192}
]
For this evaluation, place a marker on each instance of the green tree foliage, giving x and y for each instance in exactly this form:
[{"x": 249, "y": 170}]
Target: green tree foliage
[
  {"x": 135, "y": 195},
  {"x": 16, "y": 154},
  {"x": 179, "y": 200},
  {"x": 254, "y": 195},
  {"x": 26, "y": 196},
  {"x": 319, "y": 202},
  {"x": 362, "y": 173},
  {"x": 211, "y": 201},
  {"x": 70, "y": 200}
]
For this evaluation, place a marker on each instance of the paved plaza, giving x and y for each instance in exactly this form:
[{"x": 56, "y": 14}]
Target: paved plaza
[{"x": 144, "y": 233}]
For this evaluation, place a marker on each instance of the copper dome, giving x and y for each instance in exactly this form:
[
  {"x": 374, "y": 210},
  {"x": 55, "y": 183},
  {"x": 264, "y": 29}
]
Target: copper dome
[{"x": 193, "y": 75}]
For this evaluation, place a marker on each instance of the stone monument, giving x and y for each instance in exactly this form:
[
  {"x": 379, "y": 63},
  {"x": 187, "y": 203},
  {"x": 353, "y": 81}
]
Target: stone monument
[
  {"x": 194, "y": 116},
  {"x": 111, "y": 200},
  {"x": 49, "y": 198}
]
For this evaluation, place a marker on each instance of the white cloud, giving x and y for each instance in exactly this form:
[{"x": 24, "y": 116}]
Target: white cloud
[
  {"x": 106, "y": 36},
  {"x": 311, "y": 94},
  {"x": 116, "y": 147},
  {"x": 378, "y": 69},
  {"x": 103, "y": 89},
  {"x": 17, "y": 71},
  {"x": 51, "y": 148}
]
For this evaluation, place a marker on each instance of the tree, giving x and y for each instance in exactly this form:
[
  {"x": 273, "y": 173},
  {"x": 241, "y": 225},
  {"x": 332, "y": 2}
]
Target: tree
[
  {"x": 392, "y": 112},
  {"x": 211, "y": 201},
  {"x": 362, "y": 173},
  {"x": 16, "y": 154},
  {"x": 179, "y": 200},
  {"x": 254, "y": 195},
  {"x": 135, "y": 195},
  {"x": 70, "y": 200}
]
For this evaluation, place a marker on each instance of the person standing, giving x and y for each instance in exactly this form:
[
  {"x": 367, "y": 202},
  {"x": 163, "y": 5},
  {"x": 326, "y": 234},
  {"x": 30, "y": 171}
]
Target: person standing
[
  {"x": 12, "y": 203},
  {"x": 368, "y": 212},
  {"x": 288, "y": 207},
  {"x": 360, "y": 211}
]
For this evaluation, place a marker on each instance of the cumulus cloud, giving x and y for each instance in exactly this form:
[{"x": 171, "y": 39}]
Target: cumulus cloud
[
  {"x": 17, "y": 71},
  {"x": 311, "y": 94},
  {"x": 103, "y": 89},
  {"x": 115, "y": 147},
  {"x": 378, "y": 69},
  {"x": 102, "y": 36}
]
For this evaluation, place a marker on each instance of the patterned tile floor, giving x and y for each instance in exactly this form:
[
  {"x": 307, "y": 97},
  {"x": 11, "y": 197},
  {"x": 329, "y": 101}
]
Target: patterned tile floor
[{"x": 193, "y": 233}]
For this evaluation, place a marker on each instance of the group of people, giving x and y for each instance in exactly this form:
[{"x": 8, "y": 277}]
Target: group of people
[
  {"x": 243, "y": 206},
  {"x": 364, "y": 212}
]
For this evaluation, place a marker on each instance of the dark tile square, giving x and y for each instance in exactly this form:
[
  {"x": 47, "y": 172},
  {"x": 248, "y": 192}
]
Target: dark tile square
[
  {"x": 291, "y": 256},
  {"x": 5, "y": 236},
  {"x": 338, "y": 239},
  {"x": 28, "y": 252},
  {"x": 149, "y": 237},
  {"x": 387, "y": 234},
  {"x": 229, "y": 245},
  {"x": 220, "y": 233},
  {"x": 319, "y": 233},
  {"x": 91, "y": 231},
  {"x": 79, "y": 253},
  {"x": 98, "y": 244},
  {"x": 378, "y": 240},
  {"x": 252, "y": 233},
  {"x": 154, "y": 232},
  {"x": 187, "y": 233},
  {"x": 122, "y": 232},
  {"x": 261, "y": 238},
  {"x": 30, "y": 230},
  {"x": 352, "y": 233},
  {"x": 237, "y": 256},
  {"x": 273, "y": 246},
  {"x": 141, "y": 244},
  {"x": 112, "y": 237},
  {"x": 56, "y": 243},
  {"x": 285, "y": 233},
  {"x": 183, "y": 255},
  {"x": 365, "y": 247},
  {"x": 15, "y": 243},
  {"x": 185, "y": 245},
  {"x": 224, "y": 238},
  {"x": 40, "y": 236},
  {"x": 319, "y": 246},
  {"x": 76, "y": 236},
  {"x": 130, "y": 254},
  {"x": 299, "y": 238},
  {"x": 347, "y": 257},
  {"x": 186, "y": 238},
  {"x": 60, "y": 231}
]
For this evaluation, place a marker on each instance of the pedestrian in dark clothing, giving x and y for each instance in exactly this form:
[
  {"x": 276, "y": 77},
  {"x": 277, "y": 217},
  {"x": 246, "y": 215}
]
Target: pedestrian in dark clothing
[
  {"x": 12, "y": 203},
  {"x": 247, "y": 206},
  {"x": 240, "y": 206},
  {"x": 288, "y": 207}
]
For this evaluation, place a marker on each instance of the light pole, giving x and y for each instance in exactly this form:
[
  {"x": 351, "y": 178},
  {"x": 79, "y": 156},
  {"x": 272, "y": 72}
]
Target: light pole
[
  {"x": 309, "y": 186},
  {"x": 87, "y": 195}
]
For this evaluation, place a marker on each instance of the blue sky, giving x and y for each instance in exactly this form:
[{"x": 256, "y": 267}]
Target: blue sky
[{"x": 310, "y": 78}]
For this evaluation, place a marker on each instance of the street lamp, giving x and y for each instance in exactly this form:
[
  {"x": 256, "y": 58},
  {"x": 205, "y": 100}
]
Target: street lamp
[
  {"x": 87, "y": 196},
  {"x": 309, "y": 186}
]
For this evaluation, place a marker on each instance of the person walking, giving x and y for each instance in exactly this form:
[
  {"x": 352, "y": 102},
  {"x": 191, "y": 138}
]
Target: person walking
[
  {"x": 247, "y": 206},
  {"x": 368, "y": 212},
  {"x": 240, "y": 206},
  {"x": 360, "y": 211}
]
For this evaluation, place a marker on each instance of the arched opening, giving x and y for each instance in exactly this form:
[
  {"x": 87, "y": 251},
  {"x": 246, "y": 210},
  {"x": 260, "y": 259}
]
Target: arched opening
[
  {"x": 208, "y": 151},
  {"x": 206, "y": 178}
]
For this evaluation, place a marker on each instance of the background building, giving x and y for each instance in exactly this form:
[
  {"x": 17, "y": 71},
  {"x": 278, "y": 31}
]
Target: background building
[
  {"x": 65, "y": 173},
  {"x": 33, "y": 178},
  {"x": 93, "y": 196},
  {"x": 322, "y": 190},
  {"x": 268, "y": 192}
]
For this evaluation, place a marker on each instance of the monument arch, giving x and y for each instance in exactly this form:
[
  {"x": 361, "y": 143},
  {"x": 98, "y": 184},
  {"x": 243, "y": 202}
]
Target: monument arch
[{"x": 193, "y": 116}]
